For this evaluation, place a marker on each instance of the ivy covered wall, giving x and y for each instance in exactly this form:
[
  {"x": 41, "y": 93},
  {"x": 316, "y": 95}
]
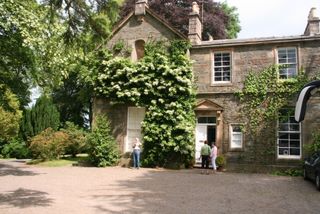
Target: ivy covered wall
[{"x": 163, "y": 83}]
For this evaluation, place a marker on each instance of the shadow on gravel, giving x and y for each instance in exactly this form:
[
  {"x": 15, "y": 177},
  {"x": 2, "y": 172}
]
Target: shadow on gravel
[
  {"x": 6, "y": 169},
  {"x": 191, "y": 192},
  {"x": 23, "y": 198},
  {"x": 157, "y": 192}
]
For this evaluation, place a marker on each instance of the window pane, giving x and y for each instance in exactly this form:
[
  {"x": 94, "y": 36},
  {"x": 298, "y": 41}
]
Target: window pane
[
  {"x": 202, "y": 120},
  {"x": 236, "y": 144},
  {"x": 236, "y": 137},
  {"x": 292, "y": 60},
  {"x": 292, "y": 72},
  {"x": 294, "y": 136},
  {"x": 283, "y": 151},
  {"x": 295, "y": 144},
  {"x": 294, "y": 127},
  {"x": 295, "y": 151},
  {"x": 217, "y": 79},
  {"x": 283, "y": 136},
  {"x": 218, "y": 73},
  {"x": 217, "y": 64},
  {"x": 236, "y": 129},
  {"x": 206, "y": 120},
  {"x": 211, "y": 120},
  {"x": 284, "y": 127},
  {"x": 281, "y": 61},
  {"x": 283, "y": 143}
]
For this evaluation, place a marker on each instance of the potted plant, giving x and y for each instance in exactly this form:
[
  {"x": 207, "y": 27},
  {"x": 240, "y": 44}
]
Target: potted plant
[{"x": 221, "y": 162}]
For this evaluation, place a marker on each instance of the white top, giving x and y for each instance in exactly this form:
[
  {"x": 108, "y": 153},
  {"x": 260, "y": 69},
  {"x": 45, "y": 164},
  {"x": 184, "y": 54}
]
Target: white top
[{"x": 137, "y": 144}]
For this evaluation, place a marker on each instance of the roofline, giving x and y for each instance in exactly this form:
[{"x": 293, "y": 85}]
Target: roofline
[
  {"x": 119, "y": 25},
  {"x": 156, "y": 16},
  {"x": 165, "y": 23},
  {"x": 254, "y": 41}
]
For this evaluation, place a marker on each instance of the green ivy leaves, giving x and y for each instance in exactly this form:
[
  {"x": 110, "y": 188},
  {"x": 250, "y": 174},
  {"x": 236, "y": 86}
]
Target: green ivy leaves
[
  {"x": 162, "y": 82},
  {"x": 263, "y": 95}
]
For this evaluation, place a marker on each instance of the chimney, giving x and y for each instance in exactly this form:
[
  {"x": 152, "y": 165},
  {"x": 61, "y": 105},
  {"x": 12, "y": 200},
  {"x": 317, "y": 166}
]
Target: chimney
[
  {"x": 140, "y": 8},
  {"x": 313, "y": 23},
  {"x": 195, "y": 26}
]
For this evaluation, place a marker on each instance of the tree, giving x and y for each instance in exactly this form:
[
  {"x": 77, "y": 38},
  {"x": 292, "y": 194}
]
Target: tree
[
  {"x": 87, "y": 24},
  {"x": 233, "y": 27},
  {"x": 17, "y": 60},
  {"x": 72, "y": 99},
  {"x": 219, "y": 20},
  {"x": 81, "y": 17},
  {"x": 44, "y": 114},
  {"x": 31, "y": 50},
  {"x": 10, "y": 114},
  {"x": 103, "y": 150}
]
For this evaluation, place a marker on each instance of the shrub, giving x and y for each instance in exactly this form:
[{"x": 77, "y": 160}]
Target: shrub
[
  {"x": 102, "y": 148},
  {"x": 315, "y": 145},
  {"x": 16, "y": 148},
  {"x": 221, "y": 161},
  {"x": 48, "y": 145},
  {"x": 289, "y": 172},
  {"x": 76, "y": 142}
]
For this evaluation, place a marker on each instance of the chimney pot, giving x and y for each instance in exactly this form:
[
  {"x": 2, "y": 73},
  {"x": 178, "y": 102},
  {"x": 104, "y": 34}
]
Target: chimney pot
[
  {"x": 140, "y": 8},
  {"x": 195, "y": 25},
  {"x": 313, "y": 23}
]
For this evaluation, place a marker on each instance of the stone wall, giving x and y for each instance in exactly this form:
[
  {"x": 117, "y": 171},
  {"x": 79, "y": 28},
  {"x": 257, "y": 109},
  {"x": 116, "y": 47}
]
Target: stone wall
[
  {"x": 117, "y": 114},
  {"x": 150, "y": 29}
]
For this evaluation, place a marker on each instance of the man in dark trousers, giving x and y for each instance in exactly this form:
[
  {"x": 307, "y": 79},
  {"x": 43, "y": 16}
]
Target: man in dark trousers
[{"x": 205, "y": 154}]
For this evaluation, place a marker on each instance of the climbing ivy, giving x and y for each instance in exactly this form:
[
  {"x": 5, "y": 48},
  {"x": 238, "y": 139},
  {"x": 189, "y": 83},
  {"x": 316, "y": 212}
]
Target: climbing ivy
[
  {"x": 162, "y": 82},
  {"x": 263, "y": 95}
]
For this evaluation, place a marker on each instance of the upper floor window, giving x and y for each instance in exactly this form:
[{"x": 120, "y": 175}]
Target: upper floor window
[
  {"x": 287, "y": 56},
  {"x": 222, "y": 67},
  {"x": 288, "y": 139}
]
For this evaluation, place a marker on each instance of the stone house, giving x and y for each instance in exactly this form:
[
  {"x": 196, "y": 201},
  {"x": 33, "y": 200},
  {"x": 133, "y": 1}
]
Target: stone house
[{"x": 220, "y": 67}]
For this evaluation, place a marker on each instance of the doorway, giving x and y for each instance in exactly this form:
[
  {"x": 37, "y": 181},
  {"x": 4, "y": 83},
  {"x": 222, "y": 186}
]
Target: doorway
[{"x": 205, "y": 130}]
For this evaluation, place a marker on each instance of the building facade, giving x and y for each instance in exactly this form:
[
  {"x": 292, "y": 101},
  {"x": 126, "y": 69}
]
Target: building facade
[{"x": 220, "y": 68}]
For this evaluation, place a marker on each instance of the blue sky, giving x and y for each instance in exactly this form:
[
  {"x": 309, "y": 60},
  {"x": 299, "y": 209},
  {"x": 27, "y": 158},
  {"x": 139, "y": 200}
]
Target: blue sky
[{"x": 265, "y": 18}]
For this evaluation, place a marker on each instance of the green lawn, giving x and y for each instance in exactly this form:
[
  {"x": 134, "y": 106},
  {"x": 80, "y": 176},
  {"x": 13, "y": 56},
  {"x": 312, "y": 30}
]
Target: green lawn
[{"x": 64, "y": 161}]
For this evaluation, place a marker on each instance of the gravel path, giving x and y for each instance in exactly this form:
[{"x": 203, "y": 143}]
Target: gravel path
[{"x": 31, "y": 189}]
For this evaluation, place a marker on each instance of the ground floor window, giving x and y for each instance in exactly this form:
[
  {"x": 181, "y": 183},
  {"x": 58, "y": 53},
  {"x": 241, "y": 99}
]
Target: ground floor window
[
  {"x": 236, "y": 136},
  {"x": 135, "y": 117},
  {"x": 289, "y": 135}
]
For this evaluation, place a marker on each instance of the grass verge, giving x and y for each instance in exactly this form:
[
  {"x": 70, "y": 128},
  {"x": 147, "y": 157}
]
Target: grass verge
[{"x": 64, "y": 161}]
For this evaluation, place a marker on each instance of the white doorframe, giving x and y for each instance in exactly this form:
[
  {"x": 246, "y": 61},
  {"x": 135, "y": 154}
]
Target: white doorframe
[
  {"x": 134, "y": 119},
  {"x": 201, "y": 136}
]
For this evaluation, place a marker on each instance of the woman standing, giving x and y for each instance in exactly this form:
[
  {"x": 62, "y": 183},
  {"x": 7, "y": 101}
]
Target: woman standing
[
  {"x": 136, "y": 153},
  {"x": 213, "y": 155}
]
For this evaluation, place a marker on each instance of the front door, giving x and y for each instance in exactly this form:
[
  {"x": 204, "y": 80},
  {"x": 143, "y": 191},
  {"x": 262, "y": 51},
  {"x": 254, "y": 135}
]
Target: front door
[
  {"x": 205, "y": 130},
  {"x": 201, "y": 136}
]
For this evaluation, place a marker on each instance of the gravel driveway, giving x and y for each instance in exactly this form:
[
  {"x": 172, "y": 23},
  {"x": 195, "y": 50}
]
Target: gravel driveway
[{"x": 31, "y": 189}]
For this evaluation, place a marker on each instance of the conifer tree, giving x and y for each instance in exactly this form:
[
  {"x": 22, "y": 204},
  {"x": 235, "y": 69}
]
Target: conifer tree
[{"x": 43, "y": 114}]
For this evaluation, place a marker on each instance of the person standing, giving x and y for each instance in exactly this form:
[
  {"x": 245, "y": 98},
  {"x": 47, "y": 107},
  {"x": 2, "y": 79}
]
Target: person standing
[
  {"x": 213, "y": 155},
  {"x": 205, "y": 153},
  {"x": 136, "y": 153}
]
